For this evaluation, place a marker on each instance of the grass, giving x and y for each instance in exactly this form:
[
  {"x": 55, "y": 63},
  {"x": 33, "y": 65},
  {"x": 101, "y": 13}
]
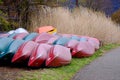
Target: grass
[{"x": 64, "y": 72}]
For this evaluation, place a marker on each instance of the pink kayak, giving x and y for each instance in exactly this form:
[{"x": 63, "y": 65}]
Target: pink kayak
[
  {"x": 66, "y": 35},
  {"x": 24, "y": 51},
  {"x": 83, "y": 49},
  {"x": 53, "y": 40},
  {"x": 39, "y": 55},
  {"x": 4, "y": 35},
  {"x": 72, "y": 44},
  {"x": 20, "y": 36},
  {"x": 94, "y": 42},
  {"x": 43, "y": 38},
  {"x": 58, "y": 56}
]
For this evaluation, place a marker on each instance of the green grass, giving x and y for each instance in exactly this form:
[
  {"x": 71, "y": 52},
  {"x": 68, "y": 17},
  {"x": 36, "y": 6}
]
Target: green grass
[{"x": 65, "y": 72}]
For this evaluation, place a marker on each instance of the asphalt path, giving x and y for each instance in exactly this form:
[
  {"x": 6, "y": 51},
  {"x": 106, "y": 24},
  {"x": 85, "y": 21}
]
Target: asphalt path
[{"x": 106, "y": 67}]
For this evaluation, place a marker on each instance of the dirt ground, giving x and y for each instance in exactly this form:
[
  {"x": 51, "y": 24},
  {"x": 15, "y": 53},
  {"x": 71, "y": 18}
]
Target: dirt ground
[{"x": 10, "y": 71}]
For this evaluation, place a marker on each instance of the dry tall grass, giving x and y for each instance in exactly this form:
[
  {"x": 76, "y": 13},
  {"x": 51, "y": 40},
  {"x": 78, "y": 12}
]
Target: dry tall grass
[{"x": 80, "y": 21}]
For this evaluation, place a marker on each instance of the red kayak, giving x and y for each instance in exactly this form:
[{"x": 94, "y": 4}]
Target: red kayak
[
  {"x": 20, "y": 36},
  {"x": 83, "y": 49},
  {"x": 58, "y": 56},
  {"x": 39, "y": 55},
  {"x": 43, "y": 38},
  {"x": 24, "y": 51}
]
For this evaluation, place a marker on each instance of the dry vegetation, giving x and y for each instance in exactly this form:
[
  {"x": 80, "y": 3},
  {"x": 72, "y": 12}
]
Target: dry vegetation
[{"x": 80, "y": 21}]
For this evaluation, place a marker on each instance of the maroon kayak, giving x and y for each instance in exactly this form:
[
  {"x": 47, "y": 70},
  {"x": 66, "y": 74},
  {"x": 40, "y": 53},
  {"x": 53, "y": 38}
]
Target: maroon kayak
[
  {"x": 20, "y": 36},
  {"x": 58, "y": 56},
  {"x": 83, "y": 49},
  {"x": 39, "y": 55},
  {"x": 24, "y": 51},
  {"x": 43, "y": 38}
]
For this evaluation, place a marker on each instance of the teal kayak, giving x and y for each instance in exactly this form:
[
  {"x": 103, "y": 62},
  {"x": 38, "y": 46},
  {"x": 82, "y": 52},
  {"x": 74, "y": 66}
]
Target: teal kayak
[
  {"x": 12, "y": 35},
  {"x": 4, "y": 45},
  {"x": 62, "y": 41},
  {"x": 12, "y": 49},
  {"x": 30, "y": 36}
]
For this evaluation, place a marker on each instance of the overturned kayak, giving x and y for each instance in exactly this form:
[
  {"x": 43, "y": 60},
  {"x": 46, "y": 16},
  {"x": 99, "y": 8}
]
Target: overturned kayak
[
  {"x": 47, "y": 29},
  {"x": 12, "y": 49},
  {"x": 66, "y": 35},
  {"x": 24, "y": 51},
  {"x": 83, "y": 49},
  {"x": 39, "y": 55},
  {"x": 94, "y": 42},
  {"x": 21, "y": 30},
  {"x": 58, "y": 56},
  {"x": 53, "y": 40},
  {"x": 4, "y": 35},
  {"x": 20, "y": 35},
  {"x": 62, "y": 41},
  {"x": 31, "y": 36},
  {"x": 75, "y": 38},
  {"x": 72, "y": 44},
  {"x": 4, "y": 45},
  {"x": 45, "y": 48},
  {"x": 43, "y": 38},
  {"x": 12, "y": 35}
]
